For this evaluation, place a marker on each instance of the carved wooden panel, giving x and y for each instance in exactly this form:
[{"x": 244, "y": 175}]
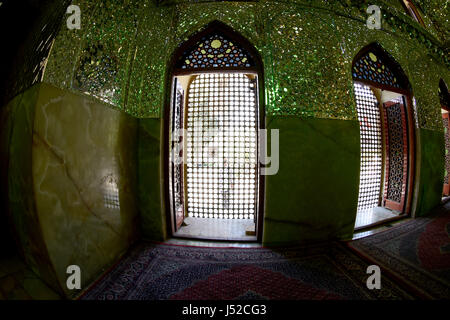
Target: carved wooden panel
[
  {"x": 396, "y": 168},
  {"x": 445, "y": 119}
]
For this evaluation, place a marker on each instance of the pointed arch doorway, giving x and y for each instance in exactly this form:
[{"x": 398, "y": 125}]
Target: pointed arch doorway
[
  {"x": 444, "y": 98},
  {"x": 214, "y": 187},
  {"x": 385, "y": 112}
]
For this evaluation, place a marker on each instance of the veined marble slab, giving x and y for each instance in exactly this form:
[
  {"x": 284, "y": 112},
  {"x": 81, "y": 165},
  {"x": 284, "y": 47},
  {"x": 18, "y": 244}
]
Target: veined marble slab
[
  {"x": 84, "y": 175},
  {"x": 17, "y": 198}
]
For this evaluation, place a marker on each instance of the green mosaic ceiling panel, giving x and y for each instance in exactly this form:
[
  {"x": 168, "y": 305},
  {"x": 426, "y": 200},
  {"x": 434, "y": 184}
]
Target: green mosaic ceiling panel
[{"x": 122, "y": 52}]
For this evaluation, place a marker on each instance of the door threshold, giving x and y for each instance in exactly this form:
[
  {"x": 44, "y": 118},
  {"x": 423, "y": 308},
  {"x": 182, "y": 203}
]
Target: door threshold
[
  {"x": 217, "y": 239},
  {"x": 212, "y": 243},
  {"x": 380, "y": 223}
]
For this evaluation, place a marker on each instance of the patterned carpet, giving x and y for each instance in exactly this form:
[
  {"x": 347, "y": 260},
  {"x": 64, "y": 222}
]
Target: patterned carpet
[
  {"x": 160, "y": 272},
  {"x": 415, "y": 253}
]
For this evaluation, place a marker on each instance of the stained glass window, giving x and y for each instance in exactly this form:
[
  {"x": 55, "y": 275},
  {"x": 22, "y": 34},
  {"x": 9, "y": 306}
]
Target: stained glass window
[
  {"x": 370, "y": 67},
  {"x": 215, "y": 51}
]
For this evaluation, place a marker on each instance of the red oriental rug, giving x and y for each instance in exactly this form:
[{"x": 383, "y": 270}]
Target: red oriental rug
[
  {"x": 164, "y": 272},
  {"x": 415, "y": 253}
]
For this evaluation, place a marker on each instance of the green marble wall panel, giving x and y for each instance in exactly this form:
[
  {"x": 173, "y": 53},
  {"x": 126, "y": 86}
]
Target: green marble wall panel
[
  {"x": 314, "y": 195},
  {"x": 7, "y": 237},
  {"x": 21, "y": 211},
  {"x": 84, "y": 176},
  {"x": 153, "y": 221},
  {"x": 432, "y": 158}
]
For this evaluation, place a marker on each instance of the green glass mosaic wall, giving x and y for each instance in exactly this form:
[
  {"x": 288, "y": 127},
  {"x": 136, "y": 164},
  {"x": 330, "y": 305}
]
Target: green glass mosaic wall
[
  {"x": 436, "y": 13},
  {"x": 27, "y": 52},
  {"x": 121, "y": 53}
]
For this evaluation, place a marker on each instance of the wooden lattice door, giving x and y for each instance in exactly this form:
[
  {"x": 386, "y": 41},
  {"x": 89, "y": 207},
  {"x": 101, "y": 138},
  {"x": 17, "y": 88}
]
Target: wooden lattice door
[
  {"x": 177, "y": 165},
  {"x": 445, "y": 120},
  {"x": 396, "y": 159}
]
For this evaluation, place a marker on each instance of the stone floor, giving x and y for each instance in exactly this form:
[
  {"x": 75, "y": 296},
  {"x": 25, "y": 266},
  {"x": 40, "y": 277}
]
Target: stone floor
[
  {"x": 373, "y": 215},
  {"x": 218, "y": 229},
  {"x": 371, "y": 231},
  {"x": 18, "y": 282}
]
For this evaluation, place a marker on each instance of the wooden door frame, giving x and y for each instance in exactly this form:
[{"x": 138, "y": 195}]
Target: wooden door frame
[
  {"x": 446, "y": 188},
  {"x": 411, "y": 140},
  {"x": 405, "y": 90},
  {"x": 444, "y": 98},
  {"x": 167, "y": 106}
]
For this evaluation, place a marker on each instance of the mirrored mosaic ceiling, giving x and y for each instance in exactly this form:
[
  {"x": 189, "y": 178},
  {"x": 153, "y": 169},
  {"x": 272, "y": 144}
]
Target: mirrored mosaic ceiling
[{"x": 120, "y": 54}]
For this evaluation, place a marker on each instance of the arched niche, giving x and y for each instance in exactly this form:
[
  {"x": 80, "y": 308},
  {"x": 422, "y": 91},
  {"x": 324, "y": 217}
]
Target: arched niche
[
  {"x": 386, "y": 115},
  {"x": 214, "y": 91}
]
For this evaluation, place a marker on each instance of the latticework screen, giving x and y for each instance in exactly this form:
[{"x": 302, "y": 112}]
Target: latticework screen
[
  {"x": 371, "y": 147},
  {"x": 222, "y": 171},
  {"x": 447, "y": 149},
  {"x": 396, "y": 150},
  {"x": 176, "y": 179},
  {"x": 111, "y": 194}
]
